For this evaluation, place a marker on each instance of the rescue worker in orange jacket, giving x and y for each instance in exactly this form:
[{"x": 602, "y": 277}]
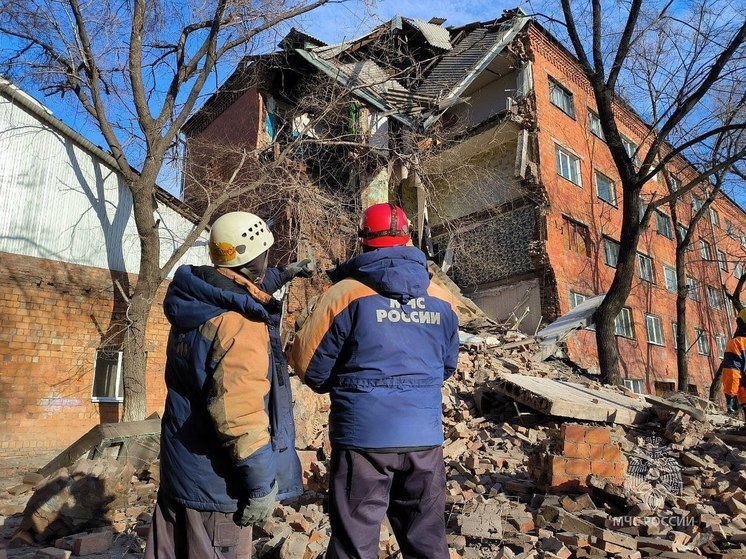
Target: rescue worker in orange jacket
[{"x": 734, "y": 366}]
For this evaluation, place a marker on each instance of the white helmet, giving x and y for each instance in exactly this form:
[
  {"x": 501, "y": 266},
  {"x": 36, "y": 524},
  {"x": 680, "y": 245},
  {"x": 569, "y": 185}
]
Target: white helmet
[{"x": 236, "y": 238}]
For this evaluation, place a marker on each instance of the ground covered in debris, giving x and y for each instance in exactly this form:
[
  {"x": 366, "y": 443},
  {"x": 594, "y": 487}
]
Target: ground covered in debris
[{"x": 554, "y": 466}]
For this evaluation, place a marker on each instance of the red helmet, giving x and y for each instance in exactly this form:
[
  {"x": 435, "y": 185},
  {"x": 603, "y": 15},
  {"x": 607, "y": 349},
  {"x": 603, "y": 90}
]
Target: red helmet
[{"x": 384, "y": 225}]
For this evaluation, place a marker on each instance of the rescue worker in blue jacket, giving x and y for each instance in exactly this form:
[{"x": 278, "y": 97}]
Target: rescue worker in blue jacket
[
  {"x": 381, "y": 342},
  {"x": 227, "y": 433}
]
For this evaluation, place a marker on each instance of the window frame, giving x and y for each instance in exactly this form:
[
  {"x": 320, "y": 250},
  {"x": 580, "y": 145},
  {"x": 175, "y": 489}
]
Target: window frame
[
  {"x": 574, "y": 163},
  {"x": 697, "y": 203},
  {"x": 633, "y": 154},
  {"x": 720, "y": 347},
  {"x": 555, "y": 85},
  {"x": 645, "y": 258},
  {"x": 722, "y": 260},
  {"x": 703, "y": 344},
  {"x": 608, "y": 241},
  {"x": 630, "y": 323},
  {"x": 713, "y": 295},
  {"x": 119, "y": 381},
  {"x": 714, "y": 217},
  {"x": 692, "y": 291},
  {"x": 668, "y": 228},
  {"x": 600, "y": 133},
  {"x": 632, "y": 385},
  {"x": 657, "y": 330},
  {"x": 665, "y": 278},
  {"x": 705, "y": 249},
  {"x": 612, "y": 187}
]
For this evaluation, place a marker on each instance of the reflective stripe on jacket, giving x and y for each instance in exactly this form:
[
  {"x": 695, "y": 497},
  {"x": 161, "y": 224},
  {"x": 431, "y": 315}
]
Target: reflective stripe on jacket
[{"x": 734, "y": 362}]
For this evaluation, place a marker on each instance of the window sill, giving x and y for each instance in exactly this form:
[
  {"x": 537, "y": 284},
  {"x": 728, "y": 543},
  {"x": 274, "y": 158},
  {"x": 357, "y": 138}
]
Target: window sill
[
  {"x": 612, "y": 204},
  {"x": 97, "y": 400},
  {"x": 579, "y": 185}
]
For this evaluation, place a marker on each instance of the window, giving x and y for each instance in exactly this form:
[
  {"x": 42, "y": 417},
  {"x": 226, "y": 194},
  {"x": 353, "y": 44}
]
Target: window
[
  {"x": 696, "y": 203},
  {"x": 663, "y": 224},
  {"x": 594, "y": 124},
  {"x": 692, "y": 389},
  {"x": 730, "y": 229},
  {"x": 720, "y": 342},
  {"x": 743, "y": 241},
  {"x": 654, "y": 326},
  {"x": 576, "y": 299},
  {"x": 631, "y": 148},
  {"x": 663, "y": 387},
  {"x": 674, "y": 183},
  {"x": 737, "y": 271},
  {"x": 683, "y": 230},
  {"x": 713, "y": 297},
  {"x": 605, "y": 188},
  {"x": 623, "y": 324},
  {"x": 703, "y": 346},
  {"x": 645, "y": 264},
  {"x": 669, "y": 274},
  {"x": 568, "y": 165},
  {"x": 704, "y": 250},
  {"x": 722, "y": 261},
  {"x": 611, "y": 252},
  {"x": 641, "y": 211},
  {"x": 561, "y": 97},
  {"x": 675, "y": 329},
  {"x": 693, "y": 288},
  {"x": 714, "y": 217},
  {"x": 578, "y": 238},
  {"x": 635, "y": 385},
  {"x": 107, "y": 376}
]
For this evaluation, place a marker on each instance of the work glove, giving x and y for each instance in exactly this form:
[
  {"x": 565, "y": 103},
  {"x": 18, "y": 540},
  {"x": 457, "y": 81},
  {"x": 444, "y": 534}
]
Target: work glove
[
  {"x": 256, "y": 509},
  {"x": 303, "y": 268}
]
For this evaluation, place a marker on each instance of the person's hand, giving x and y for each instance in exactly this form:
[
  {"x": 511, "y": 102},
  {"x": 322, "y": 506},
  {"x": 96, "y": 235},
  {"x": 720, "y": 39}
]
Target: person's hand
[
  {"x": 256, "y": 509},
  {"x": 303, "y": 268}
]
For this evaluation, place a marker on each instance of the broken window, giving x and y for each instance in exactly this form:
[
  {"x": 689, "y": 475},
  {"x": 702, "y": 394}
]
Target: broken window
[
  {"x": 645, "y": 265},
  {"x": 635, "y": 385},
  {"x": 663, "y": 387},
  {"x": 623, "y": 324},
  {"x": 575, "y": 300},
  {"x": 703, "y": 345},
  {"x": 611, "y": 252},
  {"x": 594, "y": 125},
  {"x": 654, "y": 327},
  {"x": 577, "y": 237},
  {"x": 561, "y": 97},
  {"x": 568, "y": 165},
  {"x": 663, "y": 224},
  {"x": 107, "y": 376},
  {"x": 605, "y": 188},
  {"x": 670, "y": 276}
]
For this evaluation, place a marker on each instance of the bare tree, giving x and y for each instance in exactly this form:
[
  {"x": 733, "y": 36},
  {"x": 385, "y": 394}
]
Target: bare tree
[
  {"x": 696, "y": 53},
  {"x": 138, "y": 69}
]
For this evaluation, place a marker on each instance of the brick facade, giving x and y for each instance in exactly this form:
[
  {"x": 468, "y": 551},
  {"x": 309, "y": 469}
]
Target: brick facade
[
  {"x": 578, "y": 220},
  {"x": 55, "y": 316}
]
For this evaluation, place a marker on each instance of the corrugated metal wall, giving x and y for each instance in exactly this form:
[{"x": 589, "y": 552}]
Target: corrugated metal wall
[{"x": 60, "y": 202}]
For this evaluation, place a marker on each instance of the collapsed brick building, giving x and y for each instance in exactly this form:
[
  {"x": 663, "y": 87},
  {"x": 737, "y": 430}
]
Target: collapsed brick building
[{"x": 487, "y": 132}]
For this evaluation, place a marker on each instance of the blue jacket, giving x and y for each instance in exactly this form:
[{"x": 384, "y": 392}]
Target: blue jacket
[
  {"x": 381, "y": 341},
  {"x": 227, "y": 431}
]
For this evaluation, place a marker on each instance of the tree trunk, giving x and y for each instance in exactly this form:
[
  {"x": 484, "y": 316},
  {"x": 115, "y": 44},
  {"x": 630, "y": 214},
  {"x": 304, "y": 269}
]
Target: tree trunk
[
  {"x": 148, "y": 281},
  {"x": 616, "y": 296},
  {"x": 682, "y": 290},
  {"x": 716, "y": 388}
]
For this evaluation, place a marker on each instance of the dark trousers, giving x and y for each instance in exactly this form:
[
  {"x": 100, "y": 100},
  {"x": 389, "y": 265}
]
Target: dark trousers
[
  {"x": 408, "y": 487},
  {"x": 178, "y": 532}
]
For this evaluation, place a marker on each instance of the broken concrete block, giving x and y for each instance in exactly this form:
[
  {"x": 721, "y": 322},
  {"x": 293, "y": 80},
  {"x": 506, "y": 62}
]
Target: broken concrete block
[
  {"x": 482, "y": 520},
  {"x": 294, "y": 546},
  {"x": 95, "y": 542},
  {"x": 55, "y": 553}
]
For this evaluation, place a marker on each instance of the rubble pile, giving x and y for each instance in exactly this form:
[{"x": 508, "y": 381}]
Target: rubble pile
[{"x": 521, "y": 483}]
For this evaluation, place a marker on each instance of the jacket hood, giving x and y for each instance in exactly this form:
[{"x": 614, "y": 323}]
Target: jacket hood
[
  {"x": 397, "y": 272},
  {"x": 191, "y": 300}
]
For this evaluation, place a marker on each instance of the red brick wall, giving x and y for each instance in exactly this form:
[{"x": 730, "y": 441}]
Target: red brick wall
[
  {"x": 589, "y": 275},
  {"x": 54, "y": 316}
]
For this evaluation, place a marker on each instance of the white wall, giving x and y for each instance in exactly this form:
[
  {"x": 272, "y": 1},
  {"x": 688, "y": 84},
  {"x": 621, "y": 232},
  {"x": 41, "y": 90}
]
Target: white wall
[{"x": 61, "y": 202}]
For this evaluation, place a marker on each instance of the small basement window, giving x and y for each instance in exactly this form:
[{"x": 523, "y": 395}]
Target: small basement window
[{"x": 108, "y": 385}]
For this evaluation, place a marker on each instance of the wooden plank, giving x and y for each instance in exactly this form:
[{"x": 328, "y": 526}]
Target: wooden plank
[{"x": 676, "y": 406}]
